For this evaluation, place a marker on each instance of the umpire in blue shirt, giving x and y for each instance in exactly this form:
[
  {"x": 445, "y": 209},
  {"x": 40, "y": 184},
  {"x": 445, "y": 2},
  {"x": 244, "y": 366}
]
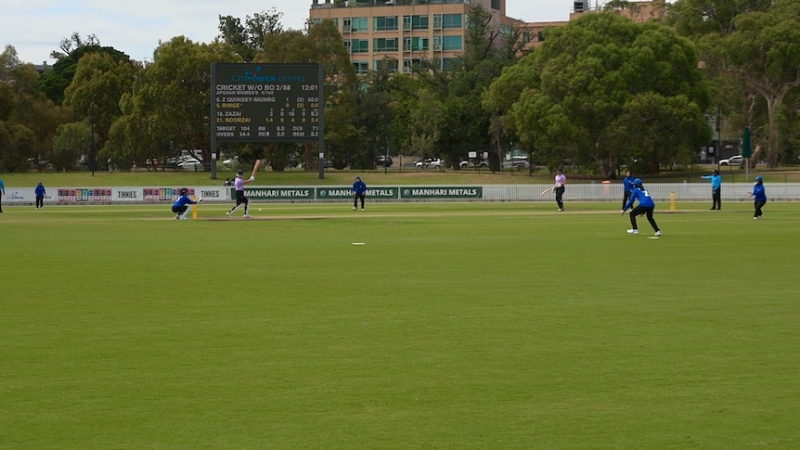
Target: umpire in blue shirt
[{"x": 716, "y": 186}]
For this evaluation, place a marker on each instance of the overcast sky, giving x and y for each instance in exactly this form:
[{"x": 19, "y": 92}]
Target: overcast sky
[{"x": 36, "y": 27}]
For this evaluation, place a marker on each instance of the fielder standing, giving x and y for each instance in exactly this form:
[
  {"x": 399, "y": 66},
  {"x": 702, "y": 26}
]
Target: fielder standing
[
  {"x": 759, "y": 196},
  {"x": 646, "y": 206},
  {"x": 40, "y": 193},
  {"x": 238, "y": 184},
  {"x": 2, "y": 193},
  {"x": 627, "y": 185},
  {"x": 359, "y": 192}
]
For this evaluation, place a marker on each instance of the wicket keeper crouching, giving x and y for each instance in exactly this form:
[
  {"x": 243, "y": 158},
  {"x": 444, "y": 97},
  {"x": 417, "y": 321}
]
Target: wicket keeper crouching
[{"x": 182, "y": 206}]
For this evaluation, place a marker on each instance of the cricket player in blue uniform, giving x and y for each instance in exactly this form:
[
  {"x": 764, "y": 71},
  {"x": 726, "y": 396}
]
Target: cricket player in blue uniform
[
  {"x": 182, "y": 207},
  {"x": 40, "y": 192},
  {"x": 2, "y": 193},
  {"x": 627, "y": 185},
  {"x": 716, "y": 189},
  {"x": 646, "y": 206},
  {"x": 359, "y": 192},
  {"x": 759, "y": 196}
]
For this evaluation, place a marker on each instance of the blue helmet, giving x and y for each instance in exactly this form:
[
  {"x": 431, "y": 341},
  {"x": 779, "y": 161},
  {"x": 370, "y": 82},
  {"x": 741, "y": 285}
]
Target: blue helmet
[
  {"x": 637, "y": 182},
  {"x": 759, "y": 178}
]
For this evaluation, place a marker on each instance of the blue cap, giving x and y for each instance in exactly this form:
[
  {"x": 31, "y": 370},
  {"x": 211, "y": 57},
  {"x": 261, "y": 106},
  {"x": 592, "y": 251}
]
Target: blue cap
[
  {"x": 637, "y": 182},
  {"x": 358, "y": 177},
  {"x": 759, "y": 178}
]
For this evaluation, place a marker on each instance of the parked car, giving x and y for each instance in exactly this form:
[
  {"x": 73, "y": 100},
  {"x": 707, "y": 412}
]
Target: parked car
[
  {"x": 732, "y": 161},
  {"x": 384, "y": 161},
  {"x": 437, "y": 164},
  {"x": 515, "y": 163},
  {"x": 480, "y": 164},
  {"x": 189, "y": 163}
]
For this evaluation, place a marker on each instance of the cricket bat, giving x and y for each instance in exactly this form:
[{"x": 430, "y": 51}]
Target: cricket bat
[
  {"x": 255, "y": 168},
  {"x": 546, "y": 191}
]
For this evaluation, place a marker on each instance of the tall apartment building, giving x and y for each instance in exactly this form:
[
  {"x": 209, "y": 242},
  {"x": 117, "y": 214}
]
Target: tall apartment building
[{"x": 407, "y": 30}]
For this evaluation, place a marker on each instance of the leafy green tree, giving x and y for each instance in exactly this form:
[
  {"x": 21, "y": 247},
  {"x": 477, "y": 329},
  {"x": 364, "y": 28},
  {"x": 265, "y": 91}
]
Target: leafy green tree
[
  {"x": 247, "y": 39},
  {"x": 591, "y": 73},
  {"x": 96, "y": 90},
  {"x": 71, "y": 141},
  {"x": 764, "y": 50},
  {"x": 55, "y": 81},
  {"x": 30, "y": 118},
  {"x": 8, "y": 101},
  {"x": 169, "y": 105},
  {"x": 710, "y": 17},
  {"x": 19, "y": 143},
  {"x": 709, "y": 23},
  {"x": 464, "y": 125}
]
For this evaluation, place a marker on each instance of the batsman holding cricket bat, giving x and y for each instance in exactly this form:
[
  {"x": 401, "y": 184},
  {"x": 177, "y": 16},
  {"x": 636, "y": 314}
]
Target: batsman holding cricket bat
[{"x": 238, "y": 184}]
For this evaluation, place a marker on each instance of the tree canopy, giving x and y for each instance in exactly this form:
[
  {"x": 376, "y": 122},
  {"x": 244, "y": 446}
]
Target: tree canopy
[{"x": 578, "y": 89}]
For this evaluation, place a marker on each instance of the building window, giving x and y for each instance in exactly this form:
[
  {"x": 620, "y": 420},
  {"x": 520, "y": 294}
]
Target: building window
[
  {"x": 415, "y": 44},
  {"x": 496, "y": 5},
  {"x": 415, "y": 22},
  {"x": 437, "y": 43},
  {"x": 388, "y": 23},
  {"x": 357, "y": 45},
  {"x": 319, "y": 21},
  {"x": 409, "y": 63},
  {"x": 361, "y": 67},
  {"x": 450, "y": 43},
  {"x": 354, "y": 24},
  {"x": 448, "y": 63},
  {"x": 392, "y": 63},
  {"x": 452, "y": 21},
  {"x": 384, "y": 45}
]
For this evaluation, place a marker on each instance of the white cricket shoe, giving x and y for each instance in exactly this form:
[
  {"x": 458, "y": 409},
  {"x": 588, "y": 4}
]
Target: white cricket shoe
[
  {"x": 633, "y": 231},
  {"x": 248, "y": 216},
  {"x": 354, "y": 208},
  {"x": 658, "y": 233},
  {"x": 229, "y": 214}
]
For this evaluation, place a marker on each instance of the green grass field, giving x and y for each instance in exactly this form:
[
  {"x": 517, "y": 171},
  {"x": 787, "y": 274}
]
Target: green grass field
[{"x": 456, "y": 326}]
